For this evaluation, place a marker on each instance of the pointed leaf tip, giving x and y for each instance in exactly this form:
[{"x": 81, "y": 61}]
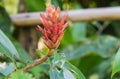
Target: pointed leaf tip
[{"x": 116, "y": 65}]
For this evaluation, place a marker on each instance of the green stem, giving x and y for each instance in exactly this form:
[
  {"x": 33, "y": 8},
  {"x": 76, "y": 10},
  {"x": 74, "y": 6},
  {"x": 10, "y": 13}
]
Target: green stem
[{"x": 15, "y": 65}]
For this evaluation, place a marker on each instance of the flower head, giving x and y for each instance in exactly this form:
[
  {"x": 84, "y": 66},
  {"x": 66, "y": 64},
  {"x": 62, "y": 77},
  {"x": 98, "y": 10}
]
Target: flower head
[{"x": 54, "y": 28}]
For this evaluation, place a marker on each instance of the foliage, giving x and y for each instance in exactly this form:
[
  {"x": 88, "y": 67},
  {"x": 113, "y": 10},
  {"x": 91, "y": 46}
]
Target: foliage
[
  {"x": 116, "y": 65},
  {"x": 7, "y": 48},
  {"x": 5, "y": 21},
  {"x": 36, "y": 5},
  {"x": 10, "y": 5},
  {"x": 62, "y": 69},
  {"x": 87, "y": 50},
  {"x": 20, "y": 75},
  {"x": 8, "y": 69}
]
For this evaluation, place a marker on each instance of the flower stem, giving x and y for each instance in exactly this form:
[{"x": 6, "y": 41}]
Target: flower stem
[{"x": 40, "y": 61}]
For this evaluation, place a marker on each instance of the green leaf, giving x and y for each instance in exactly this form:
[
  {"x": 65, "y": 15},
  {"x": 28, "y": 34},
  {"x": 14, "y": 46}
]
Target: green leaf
[
  {"x": 74, "y": 33},
  {"x": 20, "y": 75},
  {"x": 79, "y": 31},
  {"x": 8, "y": 69},
  {"x": 88, "y": 62},
  {"x": 116, "y": 65},
  {"x": 57, "y": 60},
  {"x": 68, "y": 74},
  {"x": 61, "y": 69},
  {"x": 24, "y": 57},
  {"x": 2, "y": 76},
  {"x": 5, "y": 21},
  {"x": 57, "y": 3},
  {"x": 104, "y": 68},
  {"x": 61, "y": 74},
  {"x": 67, "y": 38},
  {"x": 39, "y": 71},
  {"x": 76, "y": 71},
  {"x": 36, "y": 71},
  {"x": 6, "y": 47},
  {"x": 35, "y": 5},
  {"x": 56, "y": 74},
  {"x": 103, "y": 45},
  {"x": 56, "y": 63},
  {"x": 6, "y": 52},
  {"x": 11, "y": 6}
]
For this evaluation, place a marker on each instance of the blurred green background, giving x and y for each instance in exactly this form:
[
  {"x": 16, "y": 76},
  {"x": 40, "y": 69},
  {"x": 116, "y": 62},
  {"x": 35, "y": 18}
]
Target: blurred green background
[{"x": 90, "y": 46}]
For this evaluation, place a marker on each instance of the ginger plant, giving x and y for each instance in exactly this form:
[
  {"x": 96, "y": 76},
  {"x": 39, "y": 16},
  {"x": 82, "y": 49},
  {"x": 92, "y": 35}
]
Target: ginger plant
[{"x": 53, "y": 31}]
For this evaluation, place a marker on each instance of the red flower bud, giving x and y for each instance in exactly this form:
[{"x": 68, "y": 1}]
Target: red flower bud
[{"x": 54, "y": 28}]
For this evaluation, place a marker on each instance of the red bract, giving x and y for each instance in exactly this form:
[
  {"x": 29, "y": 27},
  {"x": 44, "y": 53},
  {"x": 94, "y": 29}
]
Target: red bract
[{"x": 54, "y": 28}]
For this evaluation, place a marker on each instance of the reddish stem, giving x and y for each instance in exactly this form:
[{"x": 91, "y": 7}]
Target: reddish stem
[{"x": 40, "y": 61}]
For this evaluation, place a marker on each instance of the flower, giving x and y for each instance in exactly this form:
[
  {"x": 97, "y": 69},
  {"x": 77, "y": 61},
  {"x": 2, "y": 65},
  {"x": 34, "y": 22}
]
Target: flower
[{"x": 54, "y": 28}]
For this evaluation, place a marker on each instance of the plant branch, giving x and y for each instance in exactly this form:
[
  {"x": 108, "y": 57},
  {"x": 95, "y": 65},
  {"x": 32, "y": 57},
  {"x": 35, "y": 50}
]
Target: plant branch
[
  {"x": 102, "y": 27},
  {"x": 40, "y": 61}
]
